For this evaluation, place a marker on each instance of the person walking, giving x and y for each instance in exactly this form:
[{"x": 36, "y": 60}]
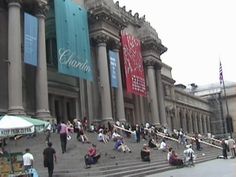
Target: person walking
[
  {"x": 28, "y": 160},
  {"x": 224, "y": 149},
  {"x": 63, "y": 136},
  {"x": 49, "y": 156}
]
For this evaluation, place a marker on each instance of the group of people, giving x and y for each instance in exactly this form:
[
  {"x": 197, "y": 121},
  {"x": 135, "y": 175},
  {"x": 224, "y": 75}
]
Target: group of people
[
  {"x": 172, "y": 157},
  {"x": 49, "y": 157},
  {"x": 105, "y": 135},
  {"x": 228, "y": 145}
]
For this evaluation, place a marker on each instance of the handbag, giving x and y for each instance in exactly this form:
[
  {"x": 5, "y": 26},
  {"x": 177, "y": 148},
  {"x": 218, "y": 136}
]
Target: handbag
[{"x": 68, "y": 137}]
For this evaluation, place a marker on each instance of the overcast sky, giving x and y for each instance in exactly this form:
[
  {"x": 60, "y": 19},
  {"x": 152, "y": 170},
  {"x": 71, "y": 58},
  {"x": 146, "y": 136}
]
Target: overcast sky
[{"x": 197, "y": 33}]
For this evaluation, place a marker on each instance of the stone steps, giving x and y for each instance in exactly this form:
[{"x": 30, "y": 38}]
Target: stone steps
[
  {"x": 111, "y": 163},
  {"x": 133, "y": 168}
]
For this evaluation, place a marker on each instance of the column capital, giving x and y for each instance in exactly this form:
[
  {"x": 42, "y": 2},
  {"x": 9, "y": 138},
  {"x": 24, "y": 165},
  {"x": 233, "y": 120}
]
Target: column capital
[
  {"x": 101, "y": 39},
  {"x": 14, "y": 3},
  {"x": 41, "y": 9},
  {"x": 149, "y": 62},
  {"x": 116, "y": 45}
]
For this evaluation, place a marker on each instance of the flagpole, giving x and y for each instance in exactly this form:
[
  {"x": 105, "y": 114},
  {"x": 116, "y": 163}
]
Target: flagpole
[{"x": 228, "y": 117}]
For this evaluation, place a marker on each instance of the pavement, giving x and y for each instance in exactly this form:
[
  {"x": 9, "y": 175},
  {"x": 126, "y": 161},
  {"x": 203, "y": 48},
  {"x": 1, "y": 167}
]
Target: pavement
[{"x": 213, "y": 168}]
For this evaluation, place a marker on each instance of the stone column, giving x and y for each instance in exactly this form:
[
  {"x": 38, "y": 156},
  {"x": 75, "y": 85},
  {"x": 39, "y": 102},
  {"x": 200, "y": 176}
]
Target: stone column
[
  {"x": 137, "y": 109},
  {"x": 104, "y": 78},
  {"x": 52, "y": 103},
  {"x": 177, "y": 119},
  {"x": 153, "y": 95},
  {"x": 120, "y": 108},
  {"x": 160, "y": 97},
  {"x": 15, "y": 103},
  {"x": 195, "y": 123},
  {"x": 90, "y": 101},
  {"x": 142, "y": 115},
  {"x": 200, "y": 124},
  {"x": 208, "y": 124},
  {"x": 190, "y": 123},
  {"x": 77, "y": 111},
  {"x": 83, "y": 95},
  {"x": 64, "y": 109},
  {"x": 42, "y": 109},
  {"x": 184, "y": 120},
  {"x": 205, "y": 124}
]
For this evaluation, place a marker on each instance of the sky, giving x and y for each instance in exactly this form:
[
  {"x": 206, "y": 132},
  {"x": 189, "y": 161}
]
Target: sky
[{"x": 198, "y": 34}]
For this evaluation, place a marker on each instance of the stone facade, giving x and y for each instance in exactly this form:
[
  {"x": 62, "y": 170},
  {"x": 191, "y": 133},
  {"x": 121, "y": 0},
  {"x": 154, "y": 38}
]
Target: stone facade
[{"x": 43, "y": 92}]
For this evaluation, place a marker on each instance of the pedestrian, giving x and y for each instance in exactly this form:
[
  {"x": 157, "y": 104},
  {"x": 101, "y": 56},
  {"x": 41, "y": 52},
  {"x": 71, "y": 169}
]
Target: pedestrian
[
  {"x": 197, "y": 141},
  {"x": 63, "y": 136},
  {"x": 138, "y": 132},
  {"x": 28, "y": 160},
  {"x": 231, "y": 146},
  {"x": 225, "y": 148},
  {"x": 48, "y": 132},
  {"x": 49, "y": 156}
]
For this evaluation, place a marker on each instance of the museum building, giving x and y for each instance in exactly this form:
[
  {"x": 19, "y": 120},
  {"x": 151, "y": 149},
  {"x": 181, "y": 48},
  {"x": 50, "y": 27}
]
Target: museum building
[{"x": 67, "y": 59}]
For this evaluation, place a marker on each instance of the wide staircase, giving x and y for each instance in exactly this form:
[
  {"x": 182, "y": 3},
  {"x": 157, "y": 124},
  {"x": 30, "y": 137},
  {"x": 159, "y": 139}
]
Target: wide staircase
[{"x": 111, "y": 163}]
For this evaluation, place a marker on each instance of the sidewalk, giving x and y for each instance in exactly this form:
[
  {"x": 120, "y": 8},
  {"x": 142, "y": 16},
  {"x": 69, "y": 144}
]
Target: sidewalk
[{"x": 214, "y": 168}]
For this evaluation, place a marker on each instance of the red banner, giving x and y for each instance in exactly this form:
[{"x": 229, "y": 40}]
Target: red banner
[{"x": 133, "y": 62}]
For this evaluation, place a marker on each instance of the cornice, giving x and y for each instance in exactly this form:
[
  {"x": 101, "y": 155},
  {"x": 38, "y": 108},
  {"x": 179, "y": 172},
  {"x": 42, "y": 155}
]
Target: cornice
[{"x": 103, "y": 13}]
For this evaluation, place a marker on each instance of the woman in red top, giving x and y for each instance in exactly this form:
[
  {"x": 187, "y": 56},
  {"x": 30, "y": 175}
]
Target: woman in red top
[{"x": 92, "y": 156}]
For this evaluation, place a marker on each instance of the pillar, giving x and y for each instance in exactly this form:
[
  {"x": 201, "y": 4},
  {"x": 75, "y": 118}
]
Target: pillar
[
  {"x": 120, "y": 108},
  {"x": 137, "y": 110},
  {"x": 42, "y": 109},
  {"x": 153, "y": 95},
  {"x": 200, "y": 124},
  {"x": 190, "y": 123},
  {"x": 184, "y": 120},
  {"x": 195, "y": 123},
  {"x": 142, "y": 115},
  {"x": 90, "y": 102},
  {"x": 160, "y": 96},
  {"x": 205, "y": 124},
  {"x": 104, "y": 78},
  {"x": 15, "y": 103},
  {"x": 208, "y": 124}
]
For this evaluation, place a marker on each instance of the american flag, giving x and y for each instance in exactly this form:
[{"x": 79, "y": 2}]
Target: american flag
[{"x": 221, "y": 73}]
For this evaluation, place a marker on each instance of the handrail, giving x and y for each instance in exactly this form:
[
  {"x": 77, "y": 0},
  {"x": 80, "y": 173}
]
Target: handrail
[
  {"x": 123, "y": 129},
  {"x": 173, "y": 139},
  {"x": 209, "y": 144},
  {"x": 157, "y": 133}
]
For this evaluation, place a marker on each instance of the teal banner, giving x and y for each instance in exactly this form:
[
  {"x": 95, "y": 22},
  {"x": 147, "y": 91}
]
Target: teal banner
[
  {"x": 113, "y": 56},
  {"x": 73, "y": 45},
  {"x": 30, "y": 39}
]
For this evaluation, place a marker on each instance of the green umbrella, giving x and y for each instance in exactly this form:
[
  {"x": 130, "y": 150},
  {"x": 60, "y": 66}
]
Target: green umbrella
[{"x": 40, "y": 125}]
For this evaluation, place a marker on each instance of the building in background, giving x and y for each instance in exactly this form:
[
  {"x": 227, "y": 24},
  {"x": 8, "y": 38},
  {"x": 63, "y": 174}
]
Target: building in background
[{"x": 94, "y": 59}]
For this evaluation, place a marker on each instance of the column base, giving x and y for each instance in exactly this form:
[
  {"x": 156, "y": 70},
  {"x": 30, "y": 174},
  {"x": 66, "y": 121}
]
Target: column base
[
  {"x": 123, "y": 120},
  {"x": 107, "y": 119},
  {"x": 43, "y": 114},
  {"x": 157, "y": 125},
  {"x": 16, "y": 110}
]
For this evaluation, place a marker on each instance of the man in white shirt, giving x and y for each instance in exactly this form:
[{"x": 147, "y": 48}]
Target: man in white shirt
[
  {"x": 163, "y": 146},
  {"x": 28, "y": 159}
]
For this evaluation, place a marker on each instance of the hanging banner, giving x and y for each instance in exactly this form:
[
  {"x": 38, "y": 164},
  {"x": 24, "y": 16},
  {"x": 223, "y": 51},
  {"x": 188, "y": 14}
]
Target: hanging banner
[
  {"x": 72, "y": 39},
  {"x": 133, "y": 63},
  {"x": 30, "y": 39},
  {"x": 113, "y": 68}
]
